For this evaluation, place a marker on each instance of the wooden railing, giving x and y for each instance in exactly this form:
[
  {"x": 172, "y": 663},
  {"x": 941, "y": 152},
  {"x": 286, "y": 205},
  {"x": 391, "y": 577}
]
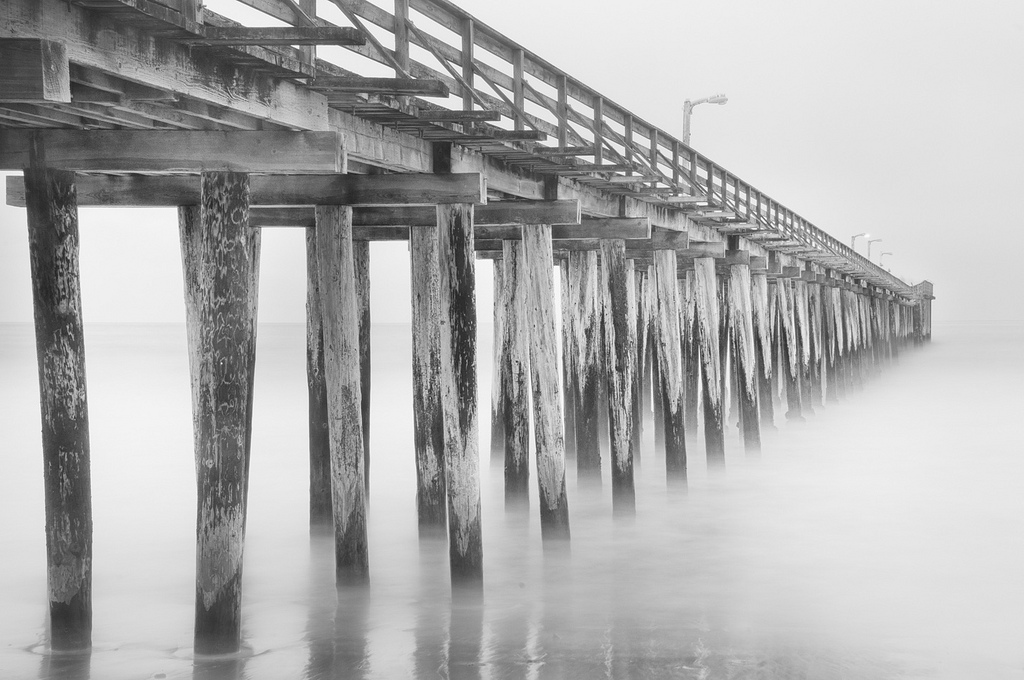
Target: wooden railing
[{"x": 605, "y": 143}]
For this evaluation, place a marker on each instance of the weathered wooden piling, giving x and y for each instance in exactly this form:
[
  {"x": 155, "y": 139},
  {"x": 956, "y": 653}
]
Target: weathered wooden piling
[
  {"x": 790, "y": 349},
  {"x": 361, "y": 267},
  {"x": 762, "y": 346},
  {"x": 515, "y": 396},
  {"x": 744, "y": 355},
  {"x": 220, "y": 257},
  {"x": 320, "y": 513},
  {"x": 428, "y": 422},
  {"x": 338, "y": 305},
  {"x": 803, "y": 344},
  {"x": 585, "y": 308},
  {"x": 568, "y": 364},
  {"x": 691, "y": 357},
  {"x": 499, "y": 368},
  {"x": 706, "y": 317},
  {"x": 538, "y": 286},
  {"x": 668, "y": 338},
  {"x": 619, "y": 347},
  {"x": 458, "y": 391},
  {"x": 52, "y": 205}
]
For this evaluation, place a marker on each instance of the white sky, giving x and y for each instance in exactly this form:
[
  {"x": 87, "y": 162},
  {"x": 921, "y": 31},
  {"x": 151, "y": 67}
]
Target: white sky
[{"x": 897, "y": 117}]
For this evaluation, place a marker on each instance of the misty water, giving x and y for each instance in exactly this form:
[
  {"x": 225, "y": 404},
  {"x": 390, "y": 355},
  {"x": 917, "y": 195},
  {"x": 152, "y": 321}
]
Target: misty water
[{"x": 881, "y": 538}]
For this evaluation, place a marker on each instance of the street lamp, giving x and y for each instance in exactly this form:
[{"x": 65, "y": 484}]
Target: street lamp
[
  {"x": 853, "y": 241},
  {"x": 688, "y": 111},
  {"x": 882, "y": 257},
  {"x": 870, "y": 241}
]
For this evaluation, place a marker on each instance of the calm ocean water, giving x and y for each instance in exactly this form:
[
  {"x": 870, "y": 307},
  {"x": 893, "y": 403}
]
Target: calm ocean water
[{"x": 883, "y": 538}]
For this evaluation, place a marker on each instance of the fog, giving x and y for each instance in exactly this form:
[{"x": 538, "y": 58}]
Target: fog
[{"x": 879, "y": 539}]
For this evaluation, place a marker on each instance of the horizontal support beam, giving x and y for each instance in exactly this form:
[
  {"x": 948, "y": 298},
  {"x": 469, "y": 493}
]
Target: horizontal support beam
[
  {"x": 457, "y": 116},
  {"x": 422, "y": 87},
  {"x": 34, "y": 71},
  {"x": 277, "y": 35},
  {"x": 176, "y": 150},
  {"x": 306, "y": 189},
  {"x": 492, "y": 216}
]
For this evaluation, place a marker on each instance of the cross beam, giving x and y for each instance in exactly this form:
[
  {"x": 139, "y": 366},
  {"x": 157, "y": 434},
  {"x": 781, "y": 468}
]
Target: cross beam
[
  {"x": 176, "y": 150},
  {"x": 282, "y": 190}
]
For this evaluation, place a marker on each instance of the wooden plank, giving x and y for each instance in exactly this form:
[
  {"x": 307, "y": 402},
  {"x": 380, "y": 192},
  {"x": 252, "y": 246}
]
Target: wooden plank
[
  {"x": 178, "y": 150},
  {"x": 458, "y": 392},
  {"x": 668, "y": 336},
  {"x": 619, "y": 350},
  {"x": 220, "y": 256},
  {"x": 515, "y": 396},
  {"x": 539, "y": 289},
  {"x": 585, "y": 308},
  {"x": 344, "y": 395},
  {"x": 60, "y": 350},
  {"x": 34, "y": 71},
  {"x": 428, "y": 424},
  {"x": 457, "y": 116},
  {"x": 707, "y": 323},
  {"x": 420, "y": 87},
  {"x": 275, "y": 35}
]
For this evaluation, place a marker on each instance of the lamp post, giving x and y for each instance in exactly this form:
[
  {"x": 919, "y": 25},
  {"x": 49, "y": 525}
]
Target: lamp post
[
  {"x": 882, "y": 257},
  {"x": 688, "y": 111},
  {"x": 870, "y": 241},
  {"x": 853, "y": 241}
]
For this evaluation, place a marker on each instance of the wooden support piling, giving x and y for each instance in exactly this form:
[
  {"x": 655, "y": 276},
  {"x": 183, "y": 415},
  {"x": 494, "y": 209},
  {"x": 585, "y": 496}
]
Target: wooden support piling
[
  {"x": 619, "y": 348},
  {"x": 458, "y": 391},
  {"x": 706, "y": 316},
  {"x": 60, "y": 350},
  {"x": 499, "y": 368},
  {"x": 744, "y": 355},
  {"x": 538, "y": 286},
  {"x": 803, "y": 345},
  {"x": 633, "y": 307},
  {"x": 320, "y": 512},
  {"x": 691, "y": 358},
  {"x": 338, "y": 304},
  {"x": 789, "y": 348},
  {"x": 668, "y": 336},
  {"x": 361, "y": 266},
  {"x": 428, "y": 423},
  {"x": 568, "y": 365},
  {"x": 585, "y": 308},
  {"x": 220, "y": 257},
  {"x": 515, "y": 396},
  {"x": 762, "y": 347}
]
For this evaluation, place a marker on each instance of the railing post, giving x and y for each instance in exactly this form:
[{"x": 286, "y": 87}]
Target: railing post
[
  {"x": 468, "y": 41},
  {"x": 598, "y": 129},
  {"x": 518, "y": 90},
  {"x": 562, "y": 110}
]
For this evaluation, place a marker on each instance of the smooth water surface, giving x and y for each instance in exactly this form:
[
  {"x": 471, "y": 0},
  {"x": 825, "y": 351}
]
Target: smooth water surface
[{"x": 882, "y": 538}]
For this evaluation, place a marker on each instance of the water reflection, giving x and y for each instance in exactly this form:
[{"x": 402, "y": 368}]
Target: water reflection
[{"x": 65, "y": 665}]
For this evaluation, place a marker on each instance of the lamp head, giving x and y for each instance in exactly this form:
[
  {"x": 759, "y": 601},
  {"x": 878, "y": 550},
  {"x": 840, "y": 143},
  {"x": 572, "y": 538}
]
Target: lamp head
[{"x": 718, "y": 99}]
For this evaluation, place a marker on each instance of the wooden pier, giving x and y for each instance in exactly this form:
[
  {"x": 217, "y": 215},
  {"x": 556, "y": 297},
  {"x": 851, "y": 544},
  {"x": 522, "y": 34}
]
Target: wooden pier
[{"x": 691, "y": 302}]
